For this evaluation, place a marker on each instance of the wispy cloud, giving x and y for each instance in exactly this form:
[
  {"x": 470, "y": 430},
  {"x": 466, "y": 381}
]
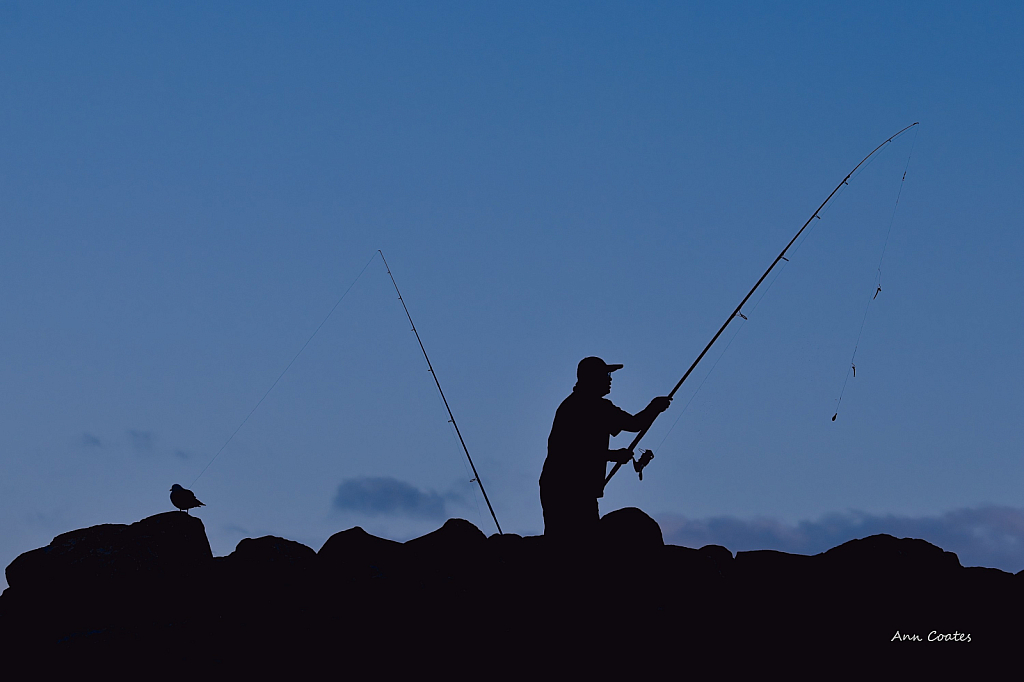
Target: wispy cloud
[
  {"x": 982, "y": 536},
  {"x": 142, "y": 441},
  {"x": 389, "y": 496},
  {"x": 235, "y": 529},
  {"x": 90, "y": 441}
]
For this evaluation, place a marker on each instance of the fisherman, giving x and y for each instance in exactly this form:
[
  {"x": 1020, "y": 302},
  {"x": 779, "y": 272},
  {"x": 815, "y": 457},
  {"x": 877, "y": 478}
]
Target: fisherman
[{"x": 578, "y": 455}]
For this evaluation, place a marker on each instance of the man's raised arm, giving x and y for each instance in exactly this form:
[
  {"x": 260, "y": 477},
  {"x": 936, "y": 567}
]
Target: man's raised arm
[{"x": 645, "y": 417}]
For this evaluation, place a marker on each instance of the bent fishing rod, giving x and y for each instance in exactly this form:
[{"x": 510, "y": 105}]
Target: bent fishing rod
[{"x": 646, "y": 457}]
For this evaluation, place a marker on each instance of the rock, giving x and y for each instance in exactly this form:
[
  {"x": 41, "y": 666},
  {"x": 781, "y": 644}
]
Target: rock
[
  {"x": 354, "y": 554},
  {"x": 272, "y": 551},
  {"x": 267, "y": 594},
  {"x": 455, "y": 536},
  {"x": 167, "y": 543},
  {"x": 630, "y": 529},
  {"x": 454, "y": 549},
  {"x": 268, "y": 559},
  {"x": 112, "y": 586},
  {"x": 885, "y": 555},
  {"x": 720, "y": 556}
]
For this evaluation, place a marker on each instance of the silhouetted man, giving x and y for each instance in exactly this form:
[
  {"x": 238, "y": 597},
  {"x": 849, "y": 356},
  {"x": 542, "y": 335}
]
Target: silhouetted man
[{"x": 578, "y": 454}]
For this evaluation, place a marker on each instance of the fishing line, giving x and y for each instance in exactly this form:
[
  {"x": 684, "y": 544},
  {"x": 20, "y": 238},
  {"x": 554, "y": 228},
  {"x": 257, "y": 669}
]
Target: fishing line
[
  {"x": 878, "y": 282},
  {"x": 893, "y": 216},
  {"x": 772, "y": 283},
  {"x": 722, "y": 355},
  {"x": 324, "y": 321}
]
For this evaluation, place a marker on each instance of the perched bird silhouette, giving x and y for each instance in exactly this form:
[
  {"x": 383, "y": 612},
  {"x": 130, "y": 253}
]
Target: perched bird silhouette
[{"x": 184, "y": 499}]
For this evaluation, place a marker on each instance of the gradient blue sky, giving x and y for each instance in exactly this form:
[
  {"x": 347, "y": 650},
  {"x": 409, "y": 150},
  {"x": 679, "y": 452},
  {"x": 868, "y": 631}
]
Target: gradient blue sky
[{"x": 186, "y": 189}]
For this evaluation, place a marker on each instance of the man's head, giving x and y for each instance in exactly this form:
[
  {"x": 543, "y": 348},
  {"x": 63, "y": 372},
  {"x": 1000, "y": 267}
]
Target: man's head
[{"x": 595, "y": 375}]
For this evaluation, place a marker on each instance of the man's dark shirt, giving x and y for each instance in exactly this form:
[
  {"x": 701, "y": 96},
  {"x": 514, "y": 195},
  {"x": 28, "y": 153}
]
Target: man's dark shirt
[{"x": 578, "y": 444}]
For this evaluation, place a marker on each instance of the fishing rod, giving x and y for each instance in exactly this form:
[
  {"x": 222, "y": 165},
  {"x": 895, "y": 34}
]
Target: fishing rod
[
  {"x": 476, "y": 476},
  {"x": 647, "y": 455}
]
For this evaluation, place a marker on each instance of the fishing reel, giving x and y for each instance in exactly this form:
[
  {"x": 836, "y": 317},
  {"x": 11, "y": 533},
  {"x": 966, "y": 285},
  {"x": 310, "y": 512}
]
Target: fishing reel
[{"x": 638, "y": 464}]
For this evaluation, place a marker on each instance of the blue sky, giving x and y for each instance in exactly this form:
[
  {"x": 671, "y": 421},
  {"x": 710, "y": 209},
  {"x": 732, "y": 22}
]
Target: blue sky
[{"x": 186, "y": 190}]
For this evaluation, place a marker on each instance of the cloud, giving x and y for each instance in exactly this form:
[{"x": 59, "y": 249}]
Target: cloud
[
  {"x": 90, "y": 441},
  {"x": 235, "y": 529},
  {"x": 982, "y": 536},
  {"x": 385, "y": 495},
  {"x": 142, "y": 441}
]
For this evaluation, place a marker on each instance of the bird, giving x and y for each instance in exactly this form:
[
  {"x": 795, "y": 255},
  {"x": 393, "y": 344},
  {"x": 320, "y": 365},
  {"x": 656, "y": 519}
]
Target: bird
[{"x": 184, "y": 499}]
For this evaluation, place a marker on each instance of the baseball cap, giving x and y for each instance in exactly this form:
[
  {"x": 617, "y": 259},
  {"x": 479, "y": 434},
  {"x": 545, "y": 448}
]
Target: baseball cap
[{"x": 594, "y": 367}]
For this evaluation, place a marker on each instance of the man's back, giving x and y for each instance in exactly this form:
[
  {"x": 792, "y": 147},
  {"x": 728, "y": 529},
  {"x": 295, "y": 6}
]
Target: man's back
[{"x": 578, "y": 444}]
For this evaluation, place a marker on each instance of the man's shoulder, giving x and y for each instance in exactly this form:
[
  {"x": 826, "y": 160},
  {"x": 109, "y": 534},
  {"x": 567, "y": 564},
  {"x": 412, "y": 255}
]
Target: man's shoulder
[
  {"x": 588, "y": 398},
  {"x": 575, "y": 399},
  {"x": 578, "y": 403},
  {"x": 582, "y": 400},
  {"x": 610, "y": 406}
]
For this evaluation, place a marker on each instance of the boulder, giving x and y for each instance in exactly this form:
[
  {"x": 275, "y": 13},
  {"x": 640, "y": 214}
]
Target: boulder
[
  {"x": 165, "y": 544},
  {"x": 268, "y": 559},
  {"x": 107, "y": 587},
  {"x": 630, "y": 529},
  {"x": 720, "y": 556},
  {"x": 886, "y": 557},
  {"x": 354, "y": 554},
  {"x": 454, "y": 549},
  {"x": 272, "y": 552},
  {"x": 456, "y": 536}
]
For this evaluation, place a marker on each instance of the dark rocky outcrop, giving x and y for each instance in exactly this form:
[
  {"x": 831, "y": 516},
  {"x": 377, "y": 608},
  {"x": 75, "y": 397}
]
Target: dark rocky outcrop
[
  {"x": 151, "y": 594},
  {"x": 354, "y": 555},
  {"x": 102, "y": 589},
  {"x": 161, "y": 545}
]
